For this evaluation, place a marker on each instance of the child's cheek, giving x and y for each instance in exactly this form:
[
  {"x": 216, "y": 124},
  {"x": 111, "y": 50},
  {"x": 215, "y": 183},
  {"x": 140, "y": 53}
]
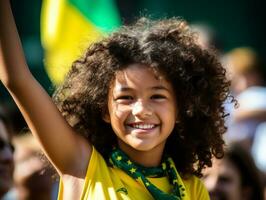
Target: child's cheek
[{"x": 120, "y": 110}]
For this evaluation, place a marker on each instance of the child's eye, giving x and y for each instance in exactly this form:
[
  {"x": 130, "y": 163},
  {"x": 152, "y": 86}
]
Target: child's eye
[
  {"x": 158, "y": 96},
  {"x": 124, "y": 97}
]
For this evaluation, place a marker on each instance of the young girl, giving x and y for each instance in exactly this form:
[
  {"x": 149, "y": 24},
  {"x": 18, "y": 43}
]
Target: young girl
[{"x": 146, "y": 102}]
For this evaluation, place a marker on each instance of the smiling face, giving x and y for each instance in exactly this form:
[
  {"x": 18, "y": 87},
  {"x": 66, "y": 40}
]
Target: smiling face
[{"x": 142, "y": 109}]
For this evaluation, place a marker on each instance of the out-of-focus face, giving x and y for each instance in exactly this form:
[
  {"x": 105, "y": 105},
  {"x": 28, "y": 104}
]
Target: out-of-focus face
[
  {"x": 223, "y": 181},
  {"x": 6, "y": 161}
]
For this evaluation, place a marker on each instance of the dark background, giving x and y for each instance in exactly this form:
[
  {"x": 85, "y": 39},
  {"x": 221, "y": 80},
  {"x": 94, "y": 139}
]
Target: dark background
[{"x": 236, "y": 23}]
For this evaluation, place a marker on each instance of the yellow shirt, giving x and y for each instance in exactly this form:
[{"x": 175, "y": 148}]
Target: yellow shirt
[{"x": 106, "y": 183}]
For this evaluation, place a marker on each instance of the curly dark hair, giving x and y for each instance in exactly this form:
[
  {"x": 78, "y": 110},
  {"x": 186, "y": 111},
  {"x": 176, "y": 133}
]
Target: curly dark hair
[{"x": 169, "y": 47}]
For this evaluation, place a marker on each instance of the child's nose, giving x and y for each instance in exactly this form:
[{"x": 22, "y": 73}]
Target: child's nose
[{"x": 142, "y": 109}]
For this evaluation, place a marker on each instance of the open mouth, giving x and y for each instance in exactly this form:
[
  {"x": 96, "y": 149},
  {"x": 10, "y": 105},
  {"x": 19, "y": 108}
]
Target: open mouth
[{"x": 143, "y": 126}]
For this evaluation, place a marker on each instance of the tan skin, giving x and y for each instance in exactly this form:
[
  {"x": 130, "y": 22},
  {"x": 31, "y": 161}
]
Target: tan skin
[
  {"x": 72, "y": 156},
  {"x": 142, "y": 112}
]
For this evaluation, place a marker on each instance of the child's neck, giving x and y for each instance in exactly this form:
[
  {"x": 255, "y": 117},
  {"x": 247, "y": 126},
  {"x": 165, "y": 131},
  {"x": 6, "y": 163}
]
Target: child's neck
[{"x": 151, "y": 158}]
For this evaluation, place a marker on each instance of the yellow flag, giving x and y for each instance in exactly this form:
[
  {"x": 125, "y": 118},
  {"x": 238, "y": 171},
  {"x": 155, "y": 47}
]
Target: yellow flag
[{"x": 69, "y": 26}]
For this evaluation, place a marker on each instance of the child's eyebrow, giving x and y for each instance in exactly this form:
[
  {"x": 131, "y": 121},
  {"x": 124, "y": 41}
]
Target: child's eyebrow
[
  {"x": 126, "y": 89},
  {"x": 160, "y": 87},
  {"x": 123, "y": 89}
]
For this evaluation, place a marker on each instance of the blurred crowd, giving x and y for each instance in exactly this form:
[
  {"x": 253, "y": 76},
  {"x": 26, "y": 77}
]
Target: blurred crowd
[
  {"x": 24, "y": 172},
  {"x": 240, "y": 175}
]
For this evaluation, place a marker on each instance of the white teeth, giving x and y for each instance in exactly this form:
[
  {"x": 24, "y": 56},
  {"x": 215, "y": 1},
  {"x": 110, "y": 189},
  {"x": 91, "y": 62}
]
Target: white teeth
[{"x": 143, "y": 126}]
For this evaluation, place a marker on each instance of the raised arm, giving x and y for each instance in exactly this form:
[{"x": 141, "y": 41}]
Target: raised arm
[{"x": 68, "y": 152}]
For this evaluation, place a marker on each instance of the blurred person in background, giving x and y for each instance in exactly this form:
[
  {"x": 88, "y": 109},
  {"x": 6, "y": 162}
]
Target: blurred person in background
[
  {"x": 246, "y": 119},
  {"x": 23, "y": 174},
  {"x": 235, "y": 177},
  {"x": 32, "y": 176},
  {"x": 6, "y": 157},
  {"x": 247, "y": 122},
  {"x": 248, "y": 84},
  {"x": 244, "y": 68}
]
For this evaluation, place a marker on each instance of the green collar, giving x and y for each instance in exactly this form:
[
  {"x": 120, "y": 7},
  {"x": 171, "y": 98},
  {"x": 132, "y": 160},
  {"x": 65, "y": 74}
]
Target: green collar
[{"x": 140, "y": 173}]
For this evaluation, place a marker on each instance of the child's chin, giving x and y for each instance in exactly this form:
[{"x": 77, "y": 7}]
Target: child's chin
[{"x": 142, "y": 146}]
